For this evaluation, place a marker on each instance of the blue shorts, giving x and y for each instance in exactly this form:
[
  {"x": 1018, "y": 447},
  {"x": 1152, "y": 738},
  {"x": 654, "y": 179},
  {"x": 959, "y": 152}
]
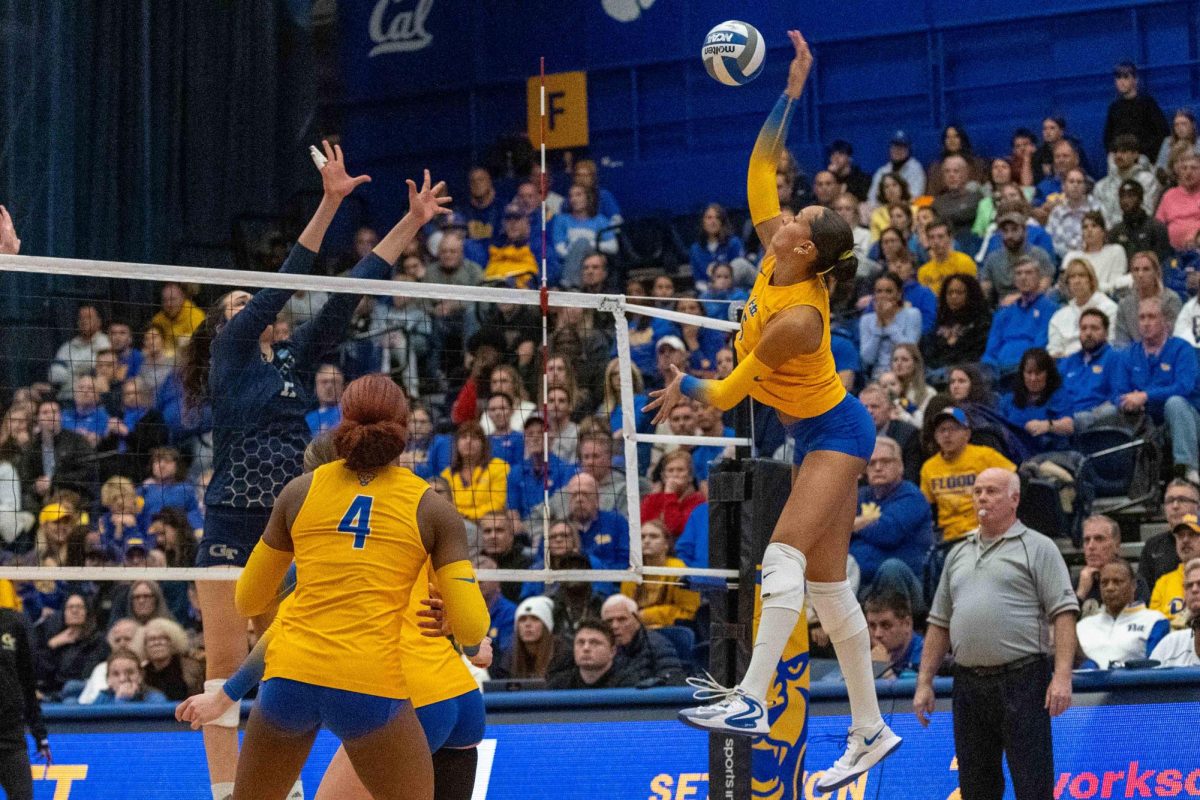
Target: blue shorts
[
  {"x": 845, "y": 428},
  {"x": 299, "y": 707},
  {"x": 457, "y": 722},
  {"x": 229, "y": 535}
]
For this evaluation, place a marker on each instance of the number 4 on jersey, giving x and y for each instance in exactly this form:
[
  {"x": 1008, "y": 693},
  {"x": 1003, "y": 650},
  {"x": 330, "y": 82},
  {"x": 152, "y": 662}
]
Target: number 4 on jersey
[{"x": 357, "y": 520}]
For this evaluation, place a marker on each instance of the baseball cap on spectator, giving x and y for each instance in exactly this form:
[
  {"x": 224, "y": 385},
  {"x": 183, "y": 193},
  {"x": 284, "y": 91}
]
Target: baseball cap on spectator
[
  {"x": 841, "y": 146},
  {"x": 1190, "y": 522},
  {"x": 135, "y": 543},
  {"x": 951, "y": 412},
  {"x": 674, "y": 342},
  {"x": 454, "y": 220},
  {"x": 900, "y": 137},
  {"x": 1129, "y": 185},
  {"x": 55, "y": 512},
  {"x": 513, "y": 211},
  {"x": 540, "y": 607},
  {"x": 1011, "y": 215}
]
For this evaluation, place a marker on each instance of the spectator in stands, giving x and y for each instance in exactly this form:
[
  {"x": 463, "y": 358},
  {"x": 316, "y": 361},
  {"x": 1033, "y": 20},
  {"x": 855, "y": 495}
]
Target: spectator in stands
[
  {"x": 107, "y": 386},
  {"x": 1109, "y": 261},
  {"x": 176, "y": 542},
  {"x": 1083, "y": 293},
  {"x": 1159, "y": 555},
  {"x": 1179, "y": 209},
  {"x": 649, "y": 658},
  {"x": 526, "y": 480},
  {"x": 122, "y": 518},
  {"x": 482, "y": 214},
  {"x": 709, "y": 422},
  {"x": 722, "y": 296},
  {"x": 1101, "y": 546},
  {"x": 961, "y": 332},
  {"x": 78, "y": 355},
  {"x": 893, "y": 526},
  {"x": 702, "y": 343},
  {"x": 1134, "y": 113},
  {"x": 584, "y": 174},
  {"x": 1050, "y": 189},
  {"x": 900, "y": 262},
  {"x": 846, "y": 206},
  {"x": 716, "y": 244},
  {"x": 678, "y": 496},
  {"x": 997, "y": 276},
  {"x": 575, "y": 601},
  {"x": 1024, "y": 146},
  {"x": 596, "y": 459},
  {"x": 944, "y": 261},
  {"x": 1157, "y": 376},
  {"x": 663, "y": 602},
  {"x": 892, "y": 251},
  {"x": 826, "y": 188},
  {"x": 893, "y": 640},
  {"x": 1065, "y": 223},
  {"x": 505, "y": 380},
  {"x": 900, "y": 162},
  {"x": 127, "y": 682},
  {"x": 1182, "y": 648},
  {"x": 1023, "y": 324},
  {"x": 554, "y": 200},
  {"x": 1168, "y": 594},
  {"x": 1012, "y": 580},
  {"x": 157, "y": 361},
  {"x": 1125, "y": 164},
  {"x": 535, "y": 647},
  {"x": 514, "y": 257},
  {"x": 86, "y": 417},
  {"x": 507, "y": 445},
  {"x": 948, "y": 476},
  {"x": 1122, "y": 629},
  {"x": 120, "y": 636},
  {"x": 889, "y": 324},
  {"x": 128, "y": 357},
  {"x": 882, "y": 409},
  {"x": 955, "y": 143},
  {"x": 564, "y": 434},
  {"x": 168, "y": 667},
  {"x": 893, "y": 190},
  {"x": 68, "y": 648},
  {"x": 594, "y": 664},
  {"x": 603, "y": 535},
  {"x": 498, "y": 542},
  {"x": 595, "y": 276},
  {"x": 1000, "y": 175},
  {"x": 1087, "y": 374},
  {"x": 958, "y": 200},
  {"x": 501, "y": 610},
  {"x": 1182, "y": 140},
  {"x": 54, "y": 459},
  {"x": 579, "y": 231},
  {"x": 1037, "y": 404},
  {"x": 1012, "y": 197},
  {"x": 452, "y": 317},
  {"x": 478, "y": 481},
  {"x": 178, "y": 318},
  {"x": 166, "y": 487},
  {"x": 562, "y": 540},
  {"x": 1145, "y": 270},
  {"x": 142, "y": 602},
  {"x": 329, "y": 384},
  {"x": 849, "y": 174},
  {"x": 1138, "y": 230}
]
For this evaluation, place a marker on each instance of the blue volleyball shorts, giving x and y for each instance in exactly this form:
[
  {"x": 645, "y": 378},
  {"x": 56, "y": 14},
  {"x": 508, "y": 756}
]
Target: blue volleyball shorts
[
  {"x": 845, "y": 428},
  {"x": 299, "y": 707}
]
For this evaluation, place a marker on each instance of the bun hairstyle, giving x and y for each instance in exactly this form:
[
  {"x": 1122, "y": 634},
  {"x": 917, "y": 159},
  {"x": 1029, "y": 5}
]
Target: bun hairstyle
[
  {"x": 835, "y": 246},
  {"x": 374, "y": 426}
]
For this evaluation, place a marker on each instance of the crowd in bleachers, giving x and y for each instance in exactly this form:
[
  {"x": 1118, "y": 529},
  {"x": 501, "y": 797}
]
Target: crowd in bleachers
[{"x": 1002, "y": 309}]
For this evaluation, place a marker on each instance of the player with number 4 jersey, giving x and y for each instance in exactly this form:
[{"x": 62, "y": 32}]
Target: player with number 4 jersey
[{"x": 360, "y": 530}]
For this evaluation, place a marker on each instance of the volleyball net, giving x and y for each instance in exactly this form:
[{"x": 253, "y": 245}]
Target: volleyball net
[{"x": 526, "y": 413}]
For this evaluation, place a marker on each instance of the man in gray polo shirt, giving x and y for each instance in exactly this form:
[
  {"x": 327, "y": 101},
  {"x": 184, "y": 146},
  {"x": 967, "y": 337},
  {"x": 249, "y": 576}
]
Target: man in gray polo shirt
[{"x": 1001, "y": 589}]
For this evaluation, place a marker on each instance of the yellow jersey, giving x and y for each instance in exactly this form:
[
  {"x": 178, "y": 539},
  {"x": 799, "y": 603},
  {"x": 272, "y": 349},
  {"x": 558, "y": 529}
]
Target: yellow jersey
[
  {"x": 432, "y": 667},
  {"x": 948, "y": 484},
  {"x": 933, "y": 272},
  {"x": 807, "y": 384},
  {"x": 1167, "y": 598},
  {"x": 486, "y": 492},
  {"x": 358, "y": 553}
]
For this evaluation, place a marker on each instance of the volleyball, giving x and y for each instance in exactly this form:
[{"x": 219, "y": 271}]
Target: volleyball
[{"x": 734, "y": 53}]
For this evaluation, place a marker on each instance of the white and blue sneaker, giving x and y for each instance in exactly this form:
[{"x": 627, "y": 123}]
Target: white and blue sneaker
[
  {"x": 862, "y": 753},
  {"x": 735, "y": 711}
]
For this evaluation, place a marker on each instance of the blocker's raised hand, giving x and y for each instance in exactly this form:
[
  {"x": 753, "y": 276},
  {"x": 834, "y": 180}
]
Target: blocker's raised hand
[
  {"x": 334, "y": 180},
  {"x": 427, "y": 202}
]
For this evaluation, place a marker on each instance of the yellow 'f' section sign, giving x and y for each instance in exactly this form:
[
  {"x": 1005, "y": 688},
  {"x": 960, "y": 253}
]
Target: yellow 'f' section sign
[{"x": 566, "y": 110}]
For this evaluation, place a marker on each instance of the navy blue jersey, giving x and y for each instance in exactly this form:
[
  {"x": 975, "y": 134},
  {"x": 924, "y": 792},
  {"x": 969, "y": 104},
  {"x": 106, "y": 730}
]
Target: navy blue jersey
[{"x": 259, "y": 429}]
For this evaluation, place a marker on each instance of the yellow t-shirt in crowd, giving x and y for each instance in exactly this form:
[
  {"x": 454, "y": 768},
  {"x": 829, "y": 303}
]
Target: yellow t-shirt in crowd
[
  {"x": 663, "y": 602},
  {"x": 181, "y": 326},
  {"x": 487, "y": 491},
  {"x": 947, "y": 485},
  {"x": 1167, "y": 597},
  {"x": 933, "y": 272}
]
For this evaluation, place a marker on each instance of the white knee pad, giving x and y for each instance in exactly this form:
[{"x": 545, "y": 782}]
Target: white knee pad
[
  {"x": 232, "y": 715},
  {"x": 838, "y": 610},
  {"x": 783, "y": 577}
]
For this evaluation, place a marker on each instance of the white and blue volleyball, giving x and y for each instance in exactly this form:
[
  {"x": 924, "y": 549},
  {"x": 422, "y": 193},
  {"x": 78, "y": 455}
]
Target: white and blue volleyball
[{"x": 734, "y": 53}]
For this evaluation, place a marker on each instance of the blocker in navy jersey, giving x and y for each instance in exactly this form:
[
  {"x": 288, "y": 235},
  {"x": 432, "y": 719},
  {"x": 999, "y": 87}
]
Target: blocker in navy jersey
[{"x": 259, "y": 407}]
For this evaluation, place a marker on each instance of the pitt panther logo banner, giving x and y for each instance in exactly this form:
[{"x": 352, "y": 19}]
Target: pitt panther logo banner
[{"x": 777, "y": 765}]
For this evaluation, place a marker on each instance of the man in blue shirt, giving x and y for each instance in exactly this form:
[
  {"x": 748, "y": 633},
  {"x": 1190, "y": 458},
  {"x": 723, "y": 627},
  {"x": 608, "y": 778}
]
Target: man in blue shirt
[
  {"x": 709, "y": 422},
  {"x": 86, "y": 418},
  {"x": 603, "y": 535},
  {"x": 328, "y": 386},
  {"x": 893, "y": 641},
  {"x": 893, "y": 528},
  {"x": 1022, "y": 324},
  {"x": 483, "y": 214},
  {"x": 507, "y": 445},
  {"x": 526, "y": 488},
  {"x": 1157, "y": 376},
  {"x": 1087, "y": 374}
]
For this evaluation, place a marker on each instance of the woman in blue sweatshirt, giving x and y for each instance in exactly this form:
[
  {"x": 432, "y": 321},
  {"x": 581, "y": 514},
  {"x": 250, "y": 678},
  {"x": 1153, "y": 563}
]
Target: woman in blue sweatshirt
[{"x": 260, "y": 391}]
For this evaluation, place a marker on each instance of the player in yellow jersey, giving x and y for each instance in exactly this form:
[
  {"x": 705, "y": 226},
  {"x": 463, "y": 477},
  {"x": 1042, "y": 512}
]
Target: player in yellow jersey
[
  {"x": 448, "y": 703},
  {"x": 785, "y": 361},
  {"x": 360, "y": 531}
]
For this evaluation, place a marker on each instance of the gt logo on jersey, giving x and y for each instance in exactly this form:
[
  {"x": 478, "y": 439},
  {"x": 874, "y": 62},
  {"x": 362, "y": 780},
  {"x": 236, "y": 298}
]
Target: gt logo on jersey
[{"x": 752, "y": 307}]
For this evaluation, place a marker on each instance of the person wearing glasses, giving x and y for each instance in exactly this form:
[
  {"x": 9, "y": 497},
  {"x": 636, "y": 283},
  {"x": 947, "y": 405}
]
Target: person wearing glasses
[
  {"x": 1168, "y": 595},
  {"x": 1159, "y": 555},
  {"x": 1182, "y": 648}
]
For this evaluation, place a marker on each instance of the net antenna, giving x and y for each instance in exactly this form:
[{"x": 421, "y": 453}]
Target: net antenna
[{"x": 544, "y": 305}]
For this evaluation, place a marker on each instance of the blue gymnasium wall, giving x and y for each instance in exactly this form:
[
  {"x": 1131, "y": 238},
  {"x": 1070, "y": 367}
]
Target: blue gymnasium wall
[{"x": 673, "y": 138}]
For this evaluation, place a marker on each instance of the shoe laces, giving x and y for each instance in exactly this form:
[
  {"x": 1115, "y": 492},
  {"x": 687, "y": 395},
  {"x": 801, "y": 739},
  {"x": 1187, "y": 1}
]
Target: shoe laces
[{"x": 707, "y": 688}]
